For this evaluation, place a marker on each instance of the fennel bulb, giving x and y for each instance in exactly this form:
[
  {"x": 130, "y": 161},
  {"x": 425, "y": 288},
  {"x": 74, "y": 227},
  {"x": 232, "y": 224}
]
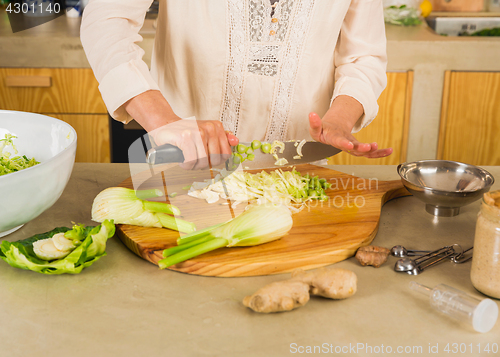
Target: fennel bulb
[
  {"x": 259, "y": 224},
  {"x": 125, "y": 207}
]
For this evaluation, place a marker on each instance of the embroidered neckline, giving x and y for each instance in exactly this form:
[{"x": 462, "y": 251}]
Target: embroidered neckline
[{"x": 259, "y": 46}]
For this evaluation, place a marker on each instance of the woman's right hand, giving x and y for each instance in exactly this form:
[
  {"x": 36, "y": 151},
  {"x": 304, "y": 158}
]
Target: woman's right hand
[{"x": 202, "y": 142}]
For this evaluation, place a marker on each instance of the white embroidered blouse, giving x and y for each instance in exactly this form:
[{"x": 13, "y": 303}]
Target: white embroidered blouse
[{"x": 230, "y": 60}]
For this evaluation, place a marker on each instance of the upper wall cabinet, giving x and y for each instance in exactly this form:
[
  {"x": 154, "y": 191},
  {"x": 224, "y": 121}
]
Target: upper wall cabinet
[
  {"x": 470, "y": 118},
  {"x": 390, "y": 127}
]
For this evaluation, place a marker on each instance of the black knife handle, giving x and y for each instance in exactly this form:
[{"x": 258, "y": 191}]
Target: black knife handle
[{"x": 164, "y": 154}]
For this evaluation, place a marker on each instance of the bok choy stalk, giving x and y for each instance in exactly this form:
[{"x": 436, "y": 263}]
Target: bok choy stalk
[
  {"x": 126, "y": 206},
  {"x": 257, "y": 225}
]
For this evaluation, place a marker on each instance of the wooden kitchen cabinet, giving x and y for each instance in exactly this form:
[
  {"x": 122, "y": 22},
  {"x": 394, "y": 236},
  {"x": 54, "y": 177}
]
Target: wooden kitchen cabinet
[
  {"x": 470, "y": 118},
  {"x": 69, "y": 94},
  {"x": 92, "y": 135},
  {"x": 390, "y": 127}
]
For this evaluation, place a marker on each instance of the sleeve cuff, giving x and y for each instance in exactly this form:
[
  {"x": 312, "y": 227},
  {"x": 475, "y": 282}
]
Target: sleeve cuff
[
  {"x": 123, "y": 83},
  {"x": 360, "y": 91}
]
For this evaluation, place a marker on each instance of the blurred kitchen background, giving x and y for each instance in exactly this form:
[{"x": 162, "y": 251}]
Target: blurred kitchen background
[{"x": 442, "y": 100}]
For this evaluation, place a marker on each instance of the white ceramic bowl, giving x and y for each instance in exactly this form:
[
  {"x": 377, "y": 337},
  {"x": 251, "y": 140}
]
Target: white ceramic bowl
[{"x": 25, "y": 194}]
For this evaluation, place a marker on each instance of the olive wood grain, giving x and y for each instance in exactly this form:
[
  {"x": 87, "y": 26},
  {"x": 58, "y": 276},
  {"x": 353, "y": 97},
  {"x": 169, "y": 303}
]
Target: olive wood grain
[{"x": 322, "y": 234}]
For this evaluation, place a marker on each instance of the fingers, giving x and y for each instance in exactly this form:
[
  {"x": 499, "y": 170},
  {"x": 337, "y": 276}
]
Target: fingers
[
  {"x": 189, "y": 150},
  {"x": 380, "y": 153},
  {"x": 315, "y": 126},
  {"x": 328, "y": 134},
  {"x": 334, "y": 131},
  {"x": 343, "y": 143},
  {"x": 217, "y": 147},
  {"x": 232, "y": 139},
  {"x": 214, "y": 143},
  {"x": 362, "y": 147},
  {"x": 373, "y": 154}
]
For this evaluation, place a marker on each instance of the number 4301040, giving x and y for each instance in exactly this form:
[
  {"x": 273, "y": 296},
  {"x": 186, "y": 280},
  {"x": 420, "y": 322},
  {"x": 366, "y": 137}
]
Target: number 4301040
[{"x": 25, "y": 8}]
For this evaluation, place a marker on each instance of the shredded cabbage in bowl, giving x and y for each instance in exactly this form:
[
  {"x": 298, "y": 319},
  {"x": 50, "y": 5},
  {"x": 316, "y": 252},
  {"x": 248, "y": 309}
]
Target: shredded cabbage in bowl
[{"x": 16, "y": 163}]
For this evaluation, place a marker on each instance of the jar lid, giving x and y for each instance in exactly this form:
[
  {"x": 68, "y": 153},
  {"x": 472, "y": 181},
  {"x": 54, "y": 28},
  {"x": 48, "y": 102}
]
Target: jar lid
[{"x": 492, "y": 198}]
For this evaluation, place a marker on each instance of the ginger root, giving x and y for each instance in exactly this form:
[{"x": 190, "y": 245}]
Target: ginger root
[
  {"x": 330, "y": 283},
  {"x": 372, "y": 255},
  {"x": 293, "y": 293},
  {"x": 279, "y": 296}
]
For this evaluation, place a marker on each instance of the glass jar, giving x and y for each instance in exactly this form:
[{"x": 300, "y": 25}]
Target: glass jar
[{"x": 485, "y": 270}]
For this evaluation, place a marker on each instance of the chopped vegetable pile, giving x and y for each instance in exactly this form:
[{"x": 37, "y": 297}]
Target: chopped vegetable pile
[
  {"x": 59, "y": 251},
  {"x": 257, "y": 225},
  {"x": 16, "y": 163},
  {"x": 244, "y": 152},
  {"x": 288, "y": 188}
]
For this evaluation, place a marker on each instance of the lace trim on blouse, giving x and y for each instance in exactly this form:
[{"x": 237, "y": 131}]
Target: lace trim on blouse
[{"x": 263, "y": 45}]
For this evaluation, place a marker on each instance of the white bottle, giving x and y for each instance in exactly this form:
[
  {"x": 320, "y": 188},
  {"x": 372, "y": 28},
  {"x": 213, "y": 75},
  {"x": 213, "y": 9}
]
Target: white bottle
[{"x": 480, "y": 314}]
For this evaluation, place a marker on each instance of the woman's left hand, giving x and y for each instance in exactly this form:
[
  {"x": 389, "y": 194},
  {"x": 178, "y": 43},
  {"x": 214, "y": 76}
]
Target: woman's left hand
[{"x": 336, "y": 130}]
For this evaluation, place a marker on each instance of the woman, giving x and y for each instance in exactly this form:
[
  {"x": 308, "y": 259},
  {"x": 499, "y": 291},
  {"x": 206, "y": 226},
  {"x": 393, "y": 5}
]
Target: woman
[{"x": 245, "y": 69}]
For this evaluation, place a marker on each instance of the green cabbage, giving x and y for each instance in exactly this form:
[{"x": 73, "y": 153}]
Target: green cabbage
[{"x": 91, "y": 246}]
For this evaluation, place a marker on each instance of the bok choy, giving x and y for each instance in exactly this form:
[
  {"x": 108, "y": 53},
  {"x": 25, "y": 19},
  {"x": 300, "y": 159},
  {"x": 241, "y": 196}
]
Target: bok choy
[
  {"x": 259, "y": 224},
  {"x": 88, "y": 245},
  {"x": 126, "y": 206}
]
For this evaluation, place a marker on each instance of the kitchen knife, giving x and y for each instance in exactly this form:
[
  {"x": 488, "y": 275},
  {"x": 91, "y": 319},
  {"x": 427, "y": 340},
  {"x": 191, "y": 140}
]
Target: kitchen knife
[{"x": 311, "y": 151}]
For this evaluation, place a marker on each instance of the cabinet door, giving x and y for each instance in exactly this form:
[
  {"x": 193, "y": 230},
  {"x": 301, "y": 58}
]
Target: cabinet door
[
  {"x": 470, "y": 118},
  {"x": 390, "y": 127},
  {"x": 92, "y": 136},
  {"x": 458, "y": 5},
  {"x": 50, "y": 90}
]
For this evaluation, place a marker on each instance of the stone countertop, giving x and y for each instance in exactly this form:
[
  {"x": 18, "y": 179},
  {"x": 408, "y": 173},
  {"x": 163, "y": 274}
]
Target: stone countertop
[{"x": 123, "y": 305}]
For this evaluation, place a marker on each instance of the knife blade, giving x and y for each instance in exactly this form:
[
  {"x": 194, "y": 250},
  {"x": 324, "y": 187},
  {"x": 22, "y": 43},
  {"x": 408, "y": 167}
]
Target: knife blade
[{"x": 311, "y": 151}]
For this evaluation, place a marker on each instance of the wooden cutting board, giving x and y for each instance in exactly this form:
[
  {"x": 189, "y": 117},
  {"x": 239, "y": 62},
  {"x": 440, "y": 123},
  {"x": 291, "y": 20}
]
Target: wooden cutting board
[{"x": 322, "y": 234}]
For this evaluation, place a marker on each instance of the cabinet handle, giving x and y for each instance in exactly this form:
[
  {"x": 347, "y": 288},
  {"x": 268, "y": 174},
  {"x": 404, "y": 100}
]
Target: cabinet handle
[{"x": 28, "y": 81}]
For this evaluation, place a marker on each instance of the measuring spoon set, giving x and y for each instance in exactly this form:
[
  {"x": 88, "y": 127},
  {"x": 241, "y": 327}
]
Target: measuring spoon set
[{"x": 426, "y": 259}]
